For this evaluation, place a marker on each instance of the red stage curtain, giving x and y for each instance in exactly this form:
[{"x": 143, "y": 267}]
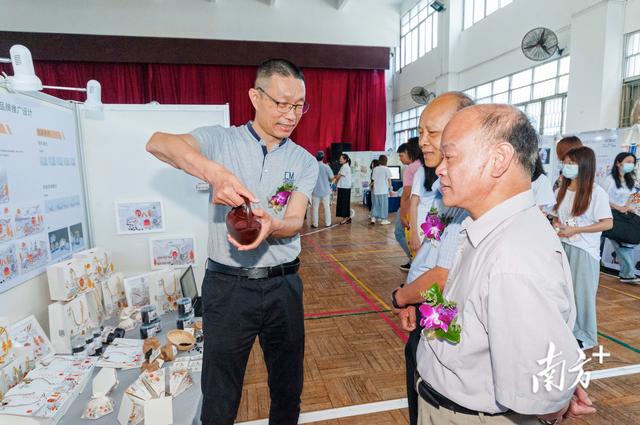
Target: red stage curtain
[{"x": 346, "y": 105}]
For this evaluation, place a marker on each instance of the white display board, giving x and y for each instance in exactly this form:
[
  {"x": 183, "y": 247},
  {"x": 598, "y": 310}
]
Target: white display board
[
  {"x": 606, "y": 144},
  {"x": 120, "y": 170},
  {"x": 361, "y": 173},
  {"x": 42, "y": 206}
]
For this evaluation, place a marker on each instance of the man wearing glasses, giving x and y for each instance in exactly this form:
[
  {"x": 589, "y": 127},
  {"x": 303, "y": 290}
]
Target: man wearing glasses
[{"x": 252, "y": 290}]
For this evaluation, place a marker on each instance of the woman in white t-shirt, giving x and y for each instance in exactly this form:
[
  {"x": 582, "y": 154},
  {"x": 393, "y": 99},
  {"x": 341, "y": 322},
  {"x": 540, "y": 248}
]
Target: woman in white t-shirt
[
  {"x": 619, "y": 186},
  {"x": 381, "y": 179},
  {"x": 541, "y": 187},
  {"x": 343, "y": 184},
  {"x": 581, "y": 215}
]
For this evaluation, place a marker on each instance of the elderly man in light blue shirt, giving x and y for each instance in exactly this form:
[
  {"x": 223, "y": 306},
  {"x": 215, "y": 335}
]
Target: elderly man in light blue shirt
[{"x": 434, "y": 258}]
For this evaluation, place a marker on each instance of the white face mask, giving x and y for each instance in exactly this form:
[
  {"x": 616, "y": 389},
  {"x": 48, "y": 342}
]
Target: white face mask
[
  {"x": 570, "y": 171},
  {"x": 628, "y": 167}
]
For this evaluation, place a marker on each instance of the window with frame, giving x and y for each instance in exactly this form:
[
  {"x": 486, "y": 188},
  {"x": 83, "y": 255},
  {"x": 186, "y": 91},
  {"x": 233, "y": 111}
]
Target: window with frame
[
  {"x": 632, "y": 55},
  {"x": 476, "y": 10},
  {"x": 405, "y": 125},
  {"x": 631, "y": 85},
  {"x": 541, "y": 92},
  {"x": 418, "y": 34}
]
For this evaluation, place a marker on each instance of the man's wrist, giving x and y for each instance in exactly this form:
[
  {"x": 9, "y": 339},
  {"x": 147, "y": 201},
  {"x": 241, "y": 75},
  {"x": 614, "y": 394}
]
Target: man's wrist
[
  {"x": 212, "y": 170},
  {"x": 394, "y": 299}
]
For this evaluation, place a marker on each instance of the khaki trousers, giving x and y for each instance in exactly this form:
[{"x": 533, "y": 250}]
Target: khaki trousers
[{"x": 429, "y": 415}]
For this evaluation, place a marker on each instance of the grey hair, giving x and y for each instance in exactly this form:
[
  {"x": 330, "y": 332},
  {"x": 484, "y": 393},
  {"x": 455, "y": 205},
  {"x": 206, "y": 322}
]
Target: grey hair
[{"x": 512, "y": 125}]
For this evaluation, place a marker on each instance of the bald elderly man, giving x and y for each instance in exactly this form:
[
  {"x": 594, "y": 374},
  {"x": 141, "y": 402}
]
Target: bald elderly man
[{"x": 511, "y": 282}]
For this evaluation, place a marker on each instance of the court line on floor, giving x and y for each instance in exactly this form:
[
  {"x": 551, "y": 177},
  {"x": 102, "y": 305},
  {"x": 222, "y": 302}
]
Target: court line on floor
[
  {"x": 348, "y": 314},
  {"x": 313, "y": 232},
  {"x": 349, "y": 244},
  {"x": 333, "y": 264},
  {"x": 401, "y": 403},
  {"x": 361, "y": 283},
  {"x": 333, "y": 312},
  {"x": 619, "y": 342},
  {"x": 343, "y": 412},
  {"x": 365, "y": 252},
  {"x": 621, "y": 292},
  {"x": 615, "y": 371}
]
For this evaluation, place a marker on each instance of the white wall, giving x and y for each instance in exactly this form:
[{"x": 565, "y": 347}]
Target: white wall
[
  {"x": 32, "y": 297},
  {"x": 595, "y": 82},
  {"x": 632, "y": 16},
  {"x": 490, "y": 49},
  {"x": 492, "y": 46},
  {"x": 359, "y": 22}
]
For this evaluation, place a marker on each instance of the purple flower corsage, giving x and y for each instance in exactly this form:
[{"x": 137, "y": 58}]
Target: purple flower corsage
[
  {"x": 280, "y": 199},
  {"x": 439, "y": 317},
  {"x": 434, "y": 225}
]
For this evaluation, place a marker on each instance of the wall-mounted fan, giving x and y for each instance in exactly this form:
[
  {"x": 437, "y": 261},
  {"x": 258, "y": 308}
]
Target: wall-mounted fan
[
  {"x": 539, "y": 44},
  {"x": 421, "y": 95}
]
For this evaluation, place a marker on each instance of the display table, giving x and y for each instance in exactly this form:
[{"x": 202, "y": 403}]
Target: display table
[{"x": 186, "y": 407}]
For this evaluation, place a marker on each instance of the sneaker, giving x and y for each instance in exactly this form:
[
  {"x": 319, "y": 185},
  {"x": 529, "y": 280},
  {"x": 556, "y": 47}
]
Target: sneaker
[
  {"x": 373, "y": 220},
  {"x": 385, "y": 222},
  {"x": 406, "y": 267},
  {"x": 629, "y": 280}
]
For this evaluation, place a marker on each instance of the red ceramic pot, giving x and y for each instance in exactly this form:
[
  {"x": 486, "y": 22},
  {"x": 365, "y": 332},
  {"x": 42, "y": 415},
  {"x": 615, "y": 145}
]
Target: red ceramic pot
[{"x": 242, "y": 225}]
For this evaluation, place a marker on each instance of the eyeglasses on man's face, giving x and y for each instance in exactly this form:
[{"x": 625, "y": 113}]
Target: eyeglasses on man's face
[{"x": 283, "y": 107}]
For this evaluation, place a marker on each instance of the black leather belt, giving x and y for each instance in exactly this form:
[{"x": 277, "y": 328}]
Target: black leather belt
[
  {"x": 437, "y": 400},
  {"x": 255, "y": 272}
]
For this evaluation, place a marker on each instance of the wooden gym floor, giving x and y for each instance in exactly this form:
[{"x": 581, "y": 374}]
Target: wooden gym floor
[{"x": 355, "y": 348}]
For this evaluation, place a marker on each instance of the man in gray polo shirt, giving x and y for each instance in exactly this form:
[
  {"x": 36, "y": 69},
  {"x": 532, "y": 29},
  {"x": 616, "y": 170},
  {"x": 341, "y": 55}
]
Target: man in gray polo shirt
[{"x": 252, "y": 290}]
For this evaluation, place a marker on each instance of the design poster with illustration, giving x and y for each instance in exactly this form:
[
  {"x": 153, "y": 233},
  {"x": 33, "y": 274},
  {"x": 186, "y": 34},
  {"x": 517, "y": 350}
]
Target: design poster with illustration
[
  {"x": 176, "y": 252},
  {"x": 139, "y": 217},
  {"x": 41, "y": 193},
  {"x": 28, "y": 333},
  {"x": 8, "y": 263}
]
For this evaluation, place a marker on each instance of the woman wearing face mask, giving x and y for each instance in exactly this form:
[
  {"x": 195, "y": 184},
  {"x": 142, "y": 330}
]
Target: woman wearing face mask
[
  {"x": 581, "y": 215},
  {"x": 565, "y": 145},
  {"x": 619, "y": 186}
]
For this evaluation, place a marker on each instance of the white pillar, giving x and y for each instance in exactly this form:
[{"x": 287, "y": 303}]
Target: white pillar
[{"x": 595, "y": 81}]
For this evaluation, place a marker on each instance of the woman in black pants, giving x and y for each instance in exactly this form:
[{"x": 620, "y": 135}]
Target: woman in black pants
[{"x": 343, "y": 183}]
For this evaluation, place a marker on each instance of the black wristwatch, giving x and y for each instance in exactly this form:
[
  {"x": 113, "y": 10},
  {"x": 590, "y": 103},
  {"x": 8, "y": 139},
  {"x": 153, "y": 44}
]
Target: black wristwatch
[{"x": 393, "y": 298}]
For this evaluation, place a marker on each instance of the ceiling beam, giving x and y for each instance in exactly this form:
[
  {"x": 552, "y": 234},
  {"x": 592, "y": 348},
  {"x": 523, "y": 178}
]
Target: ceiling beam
[
  {"x": 340, "y": 4},
  {"x": 160, "y": 50}
]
